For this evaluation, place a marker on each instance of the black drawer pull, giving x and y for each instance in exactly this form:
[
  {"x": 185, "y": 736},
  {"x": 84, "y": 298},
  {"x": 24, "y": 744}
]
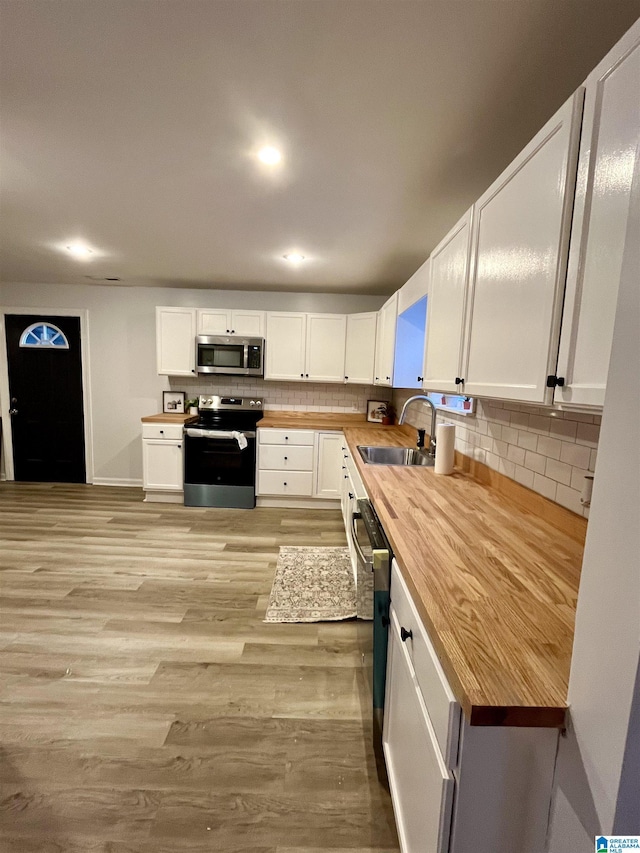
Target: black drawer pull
[{"x": 405, "y": 635}]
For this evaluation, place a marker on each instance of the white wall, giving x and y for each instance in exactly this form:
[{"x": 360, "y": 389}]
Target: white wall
[
  {"x": 123, "y": 378},
  {"x": 598, "y": 769}
]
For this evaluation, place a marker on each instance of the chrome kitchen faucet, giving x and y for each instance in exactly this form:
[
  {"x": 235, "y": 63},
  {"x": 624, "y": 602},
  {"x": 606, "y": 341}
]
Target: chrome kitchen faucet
[{"x": 432, "y": 436}]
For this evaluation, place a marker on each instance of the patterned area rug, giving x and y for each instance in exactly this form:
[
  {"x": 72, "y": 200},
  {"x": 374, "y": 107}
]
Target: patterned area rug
[{"x": 312, "y": 585}]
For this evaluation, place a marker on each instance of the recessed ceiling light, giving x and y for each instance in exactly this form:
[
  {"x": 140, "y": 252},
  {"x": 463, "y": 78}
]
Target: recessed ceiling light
[
  {"x": 294, "y": 257},
  {"x": 269, "y": 155},
  {"x": 79, "y": 251}
]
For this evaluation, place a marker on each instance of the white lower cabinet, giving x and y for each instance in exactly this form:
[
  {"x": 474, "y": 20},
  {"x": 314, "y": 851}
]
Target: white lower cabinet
[
  {"x": 299, "y": 464},
  {"x": 456, "y": 788},
  {"x": 162, "y": 462},
  {"x": 421, "y": 785},
  {"x": 328, "y": 469}
]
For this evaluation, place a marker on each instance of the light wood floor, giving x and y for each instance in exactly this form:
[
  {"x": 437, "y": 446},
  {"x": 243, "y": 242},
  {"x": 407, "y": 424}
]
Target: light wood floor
[{"x": 144, "y": 705}]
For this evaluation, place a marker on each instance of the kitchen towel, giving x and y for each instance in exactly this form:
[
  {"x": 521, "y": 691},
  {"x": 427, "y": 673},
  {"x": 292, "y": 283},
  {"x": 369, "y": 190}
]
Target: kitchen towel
[{"x": 445, "y": 448}]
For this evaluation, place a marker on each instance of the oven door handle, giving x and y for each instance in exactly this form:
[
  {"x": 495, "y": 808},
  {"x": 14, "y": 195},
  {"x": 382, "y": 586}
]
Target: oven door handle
[
  {"x": 226, "y": 435},
  {"x": 354, "y": 537}
]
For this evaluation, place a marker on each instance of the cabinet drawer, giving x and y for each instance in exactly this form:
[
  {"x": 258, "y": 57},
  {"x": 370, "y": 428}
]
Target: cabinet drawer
[
  {"x": 350, "y": 468},
  {"x": 285, "y": 483},
  {"x": 443, "y": 709},
  {"x": 285, "y": 458},
  {"x": 421, "y": 785},
  {"x": 162, "y": 431},
  {"x": 286, "y": 436}
]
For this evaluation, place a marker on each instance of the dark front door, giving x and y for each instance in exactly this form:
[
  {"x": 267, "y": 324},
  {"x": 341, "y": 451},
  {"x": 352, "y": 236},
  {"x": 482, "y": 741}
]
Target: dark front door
[{"x": 45, "y": 387}]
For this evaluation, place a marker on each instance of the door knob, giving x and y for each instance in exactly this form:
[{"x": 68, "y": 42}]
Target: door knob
[{"x": 13, "y": 411}]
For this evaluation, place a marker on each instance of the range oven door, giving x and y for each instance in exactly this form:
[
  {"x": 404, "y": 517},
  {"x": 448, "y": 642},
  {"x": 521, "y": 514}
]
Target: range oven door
[
  {"x": 217, "y": 472},
  {"x": 374, "y": 567}
]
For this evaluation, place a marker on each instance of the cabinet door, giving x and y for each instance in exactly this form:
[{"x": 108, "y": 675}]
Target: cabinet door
[
  {"x": 285, "y": 345},
  {"x": 408, "y": 363},
  {"x": 421, "y": 786},
  {"x": 360, "y": 354},
  {"x": 214, "y": 322},
  {"x": 608, "y": 150},
  {"x": 326, "y": 341},
  {"x": 446, "y": 307},
  {"x": 329, "y": 461},
  {"x": 521, "y": 229},
  {"x": 250, "y": 324},
  {"x": 176, "y": 341},
  {"x": 162, "y": 465},
  {"x": 385, "y": 341}
]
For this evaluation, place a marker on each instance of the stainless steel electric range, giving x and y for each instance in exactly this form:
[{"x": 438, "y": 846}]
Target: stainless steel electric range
[{"x": 220, "y": 453}]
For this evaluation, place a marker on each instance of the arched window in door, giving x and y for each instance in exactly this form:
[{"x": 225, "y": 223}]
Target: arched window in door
[{"x": 44, "y": 335}]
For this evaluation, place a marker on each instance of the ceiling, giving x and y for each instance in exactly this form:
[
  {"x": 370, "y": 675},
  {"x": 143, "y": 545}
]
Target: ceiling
[{"x": 133, "y": 125}]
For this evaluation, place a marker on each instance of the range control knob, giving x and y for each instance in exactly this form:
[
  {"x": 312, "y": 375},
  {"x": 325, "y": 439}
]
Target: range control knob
[{"x": 252, "y": 402}]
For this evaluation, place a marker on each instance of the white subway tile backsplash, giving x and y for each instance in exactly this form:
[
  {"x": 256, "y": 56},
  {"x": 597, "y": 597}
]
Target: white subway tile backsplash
[
  {"x": 538, "y": 423},
  {"x": 545, "y": 486},
  {"x": 563, "y": 429},
  {"x": 569, "y": 498},
  {"x": 519, "y": 419},
  {"x": 575, "y": 454},
  {"x": 524, "y": 476},
  {"x": 528, "y": 440},
  {"x": 549, "y": 446},
  {"x": 534, "y": 461},
  {"x": 509, "y": 434},
  {"x": 516, "y": 454},
  {"x": 558, "y": 471},
  {"x": 588, "y": 434}
]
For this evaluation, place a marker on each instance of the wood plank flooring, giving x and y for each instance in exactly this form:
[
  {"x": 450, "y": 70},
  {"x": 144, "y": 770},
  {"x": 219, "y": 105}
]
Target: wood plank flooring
[{"x": 145, "y": 707}]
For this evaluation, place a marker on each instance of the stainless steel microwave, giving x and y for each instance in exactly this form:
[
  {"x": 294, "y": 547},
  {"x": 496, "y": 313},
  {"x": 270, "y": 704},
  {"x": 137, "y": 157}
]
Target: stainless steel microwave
[{"x": 231, "y": 355}]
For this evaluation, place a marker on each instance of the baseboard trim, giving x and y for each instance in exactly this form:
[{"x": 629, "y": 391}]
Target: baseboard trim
[
  {"x": 164, "y": 497},
  {"x": 117, "y": 481},
  {"x": 297, "y": 503}
]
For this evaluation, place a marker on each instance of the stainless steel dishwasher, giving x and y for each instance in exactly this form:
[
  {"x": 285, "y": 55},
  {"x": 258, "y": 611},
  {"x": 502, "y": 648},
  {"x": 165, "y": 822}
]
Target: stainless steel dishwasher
[{"x": 374, "y": 574}]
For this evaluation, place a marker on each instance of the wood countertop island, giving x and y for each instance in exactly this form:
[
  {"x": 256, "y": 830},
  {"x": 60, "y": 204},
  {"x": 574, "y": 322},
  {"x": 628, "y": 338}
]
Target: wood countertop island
[{"x": 494, "y": 571}]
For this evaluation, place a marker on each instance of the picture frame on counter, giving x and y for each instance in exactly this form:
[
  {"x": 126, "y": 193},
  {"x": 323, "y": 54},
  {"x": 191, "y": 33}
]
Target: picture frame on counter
[
  {"x": 173, "y": 402},
  {"x": 376, "y": 410}
]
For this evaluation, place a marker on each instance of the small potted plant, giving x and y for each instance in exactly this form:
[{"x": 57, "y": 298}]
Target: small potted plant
[
  {"x": 388, "y": 414},
  {"x": 192, "y": 406}
]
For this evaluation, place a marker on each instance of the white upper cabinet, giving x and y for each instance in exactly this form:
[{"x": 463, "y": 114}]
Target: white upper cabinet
[
  {"x": 608, "y": 151},
  {"x": 521, "y": 229},
  {"x": 448, "y": 284},
  {"x": 326, "y": 341},
  {"x": 361, "y": 348},
  {"x": 285, "y": 345},
  {"x": 385, "y": 341},
  {"x": 414, "y": 288},
  {"x": 305, "y": 347},
  {"x": 176, "y": 341},
  {"x": 249, "y": 324}
]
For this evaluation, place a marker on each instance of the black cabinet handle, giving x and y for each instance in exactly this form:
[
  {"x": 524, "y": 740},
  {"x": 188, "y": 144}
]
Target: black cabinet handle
[
  {"x": 346, "y": 377},
  {"x": 351, "y": 495},
  {"x": 307, "y": 375},
  {"x": 385, "y": 621},
  {"x": 420, "y": 378},
  {"x": 284, "y": 484},
  {"x": 233, "y": 331},
  {"x": 179, "y": 447},
  {"x": 193, "y": 370},
  {"x": 405, "y": 635},
  {"x": 161, "y": 432},
  {"x": 285, "y": 458},
  {"x": 286, "y": 438},
  {"x": 459, "y": 381},
  {"x": 302, "y": 374}
]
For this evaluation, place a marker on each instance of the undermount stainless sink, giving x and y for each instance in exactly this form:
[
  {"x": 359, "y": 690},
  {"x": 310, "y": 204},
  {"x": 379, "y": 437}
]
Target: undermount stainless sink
[{"x": 381, "y": 455}]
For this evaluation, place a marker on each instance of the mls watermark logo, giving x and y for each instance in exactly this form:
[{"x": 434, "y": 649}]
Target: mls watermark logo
[{"x": 617, "y": 843}]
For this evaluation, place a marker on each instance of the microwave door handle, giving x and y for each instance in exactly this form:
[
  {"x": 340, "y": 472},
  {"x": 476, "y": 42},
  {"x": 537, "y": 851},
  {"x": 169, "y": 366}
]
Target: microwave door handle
[{"x": 354, "y": 517}]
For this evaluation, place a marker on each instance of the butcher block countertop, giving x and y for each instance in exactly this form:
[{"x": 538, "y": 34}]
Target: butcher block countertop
[
  {"x": 316, "y": 420},
  {"x": 494, "y": 571},
  {"x": 169, "y": 418}
]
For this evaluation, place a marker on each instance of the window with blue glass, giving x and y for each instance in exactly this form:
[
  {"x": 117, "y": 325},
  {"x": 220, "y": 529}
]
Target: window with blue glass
[{"x": 44, "y": 335}]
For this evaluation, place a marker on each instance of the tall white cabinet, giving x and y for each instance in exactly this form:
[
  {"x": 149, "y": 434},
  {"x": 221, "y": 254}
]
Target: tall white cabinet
[
  {"x": 176, "y": 341},
  {"x": 446, "y": 308},
  {"x": 359, "y": 359},
  {"x": 521, "y": 232},
  {"x": 385, "y": 341},
  {"x": 608, "y": 151}
]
